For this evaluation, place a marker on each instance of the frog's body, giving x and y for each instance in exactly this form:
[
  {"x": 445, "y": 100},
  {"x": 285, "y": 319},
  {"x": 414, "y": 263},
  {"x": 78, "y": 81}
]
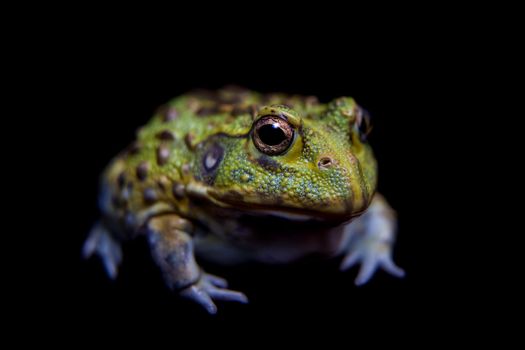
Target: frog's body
[{"x": 235, "y": 175}]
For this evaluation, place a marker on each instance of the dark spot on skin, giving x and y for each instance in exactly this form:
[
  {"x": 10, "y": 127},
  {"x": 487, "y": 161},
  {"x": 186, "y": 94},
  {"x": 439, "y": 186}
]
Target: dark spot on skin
[
  {"x": 272, "y": 111},
  {"x": 212, "y": 157},
  {"x": 165, "y": 135},
  {"x": 150, "y": 195},
  {"x": 178, "y": 190},
  {"x": 163, "y": 154},
  {"x": 121, "y": 179},
  {"x": 142, "y": 171},
  {"x": 206, "y": 111},
  {"x": 267, "y": 163},
  {"x": 170, "y": 114},
  {"x": 210, "y": 163},
  {"x": 188, "y": 140}
]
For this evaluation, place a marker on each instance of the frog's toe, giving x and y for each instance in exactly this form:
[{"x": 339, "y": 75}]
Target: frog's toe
[
  {"x": 227, "y": 295},
  {"x": 390, "y": 266},
  {"x": 216, "y": 280},
  {"x": 199, "y": 295},
  {"x": 350, "y": 260},
  {"x": 210, "y": 288},
  {"x": 371, "y": 259},
  {"x": 216, "y": 289},
  {"x": 101, "y": 242}
]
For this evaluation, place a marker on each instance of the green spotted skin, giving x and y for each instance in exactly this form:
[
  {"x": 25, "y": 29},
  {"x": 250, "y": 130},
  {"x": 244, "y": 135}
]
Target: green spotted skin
[{"x": 198, "y": 154}]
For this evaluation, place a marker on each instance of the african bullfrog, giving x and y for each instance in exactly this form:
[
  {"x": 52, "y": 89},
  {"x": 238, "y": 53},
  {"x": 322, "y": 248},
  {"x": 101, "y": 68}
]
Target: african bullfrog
[{"x": 233, "y": 175}]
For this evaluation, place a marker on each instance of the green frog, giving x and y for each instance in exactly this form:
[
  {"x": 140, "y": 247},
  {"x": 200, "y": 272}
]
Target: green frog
[{"x": 232, "y": 175}]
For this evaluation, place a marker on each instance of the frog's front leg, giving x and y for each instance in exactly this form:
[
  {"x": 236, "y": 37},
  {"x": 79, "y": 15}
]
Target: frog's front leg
[
  {"x": 172, "y": 249},
  {"x": 370, "y": 239}
]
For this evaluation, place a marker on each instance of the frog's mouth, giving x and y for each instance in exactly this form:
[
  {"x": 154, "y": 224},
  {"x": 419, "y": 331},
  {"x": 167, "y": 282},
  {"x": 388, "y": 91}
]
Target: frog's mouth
[
  {"x": 334, "y": 212},
  {"x": 291, "y": 213}
]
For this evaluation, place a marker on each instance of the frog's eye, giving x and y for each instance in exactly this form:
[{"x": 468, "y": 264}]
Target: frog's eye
[
  {"x": 363, "y": 124},
  {"x": 272, "y": 135}
]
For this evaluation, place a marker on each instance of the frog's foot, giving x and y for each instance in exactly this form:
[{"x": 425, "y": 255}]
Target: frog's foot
[
  {"x": 371, "y": 255},
  {"x": 371, "y": 238},
  {"x": 210, "y": 288},
  {"x": 101, "y": 242},
  {"x": 172, "y": 249}
]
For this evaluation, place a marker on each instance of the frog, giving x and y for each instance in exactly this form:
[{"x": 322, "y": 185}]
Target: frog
[{"x": 231, "y": 176}]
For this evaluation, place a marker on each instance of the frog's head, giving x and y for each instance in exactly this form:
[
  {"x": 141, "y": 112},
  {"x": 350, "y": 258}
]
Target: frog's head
[{"x": 311, "y": 162}]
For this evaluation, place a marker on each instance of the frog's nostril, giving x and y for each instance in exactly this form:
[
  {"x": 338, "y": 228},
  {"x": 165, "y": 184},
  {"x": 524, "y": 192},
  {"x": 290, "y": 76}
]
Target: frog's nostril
[{"x": 325, "y": 163}]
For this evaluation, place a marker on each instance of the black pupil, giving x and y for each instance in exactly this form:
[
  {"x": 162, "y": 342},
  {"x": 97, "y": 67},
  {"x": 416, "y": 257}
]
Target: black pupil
[{"x": 271, "y": 134}]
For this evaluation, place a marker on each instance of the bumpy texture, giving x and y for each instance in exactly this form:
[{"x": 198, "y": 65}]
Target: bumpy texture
[{"x": 328, "y": 170}]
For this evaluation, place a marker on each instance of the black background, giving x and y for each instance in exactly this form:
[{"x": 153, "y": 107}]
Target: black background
[{"x": 108, "y": 89}]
